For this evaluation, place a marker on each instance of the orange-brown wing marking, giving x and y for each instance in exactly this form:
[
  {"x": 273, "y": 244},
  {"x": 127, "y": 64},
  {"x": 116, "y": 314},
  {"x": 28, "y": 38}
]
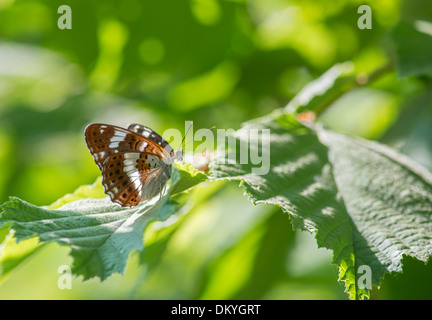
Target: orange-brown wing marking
[
  {"x": 122, "y": 175},
  {"x": 105, "y": 140}
]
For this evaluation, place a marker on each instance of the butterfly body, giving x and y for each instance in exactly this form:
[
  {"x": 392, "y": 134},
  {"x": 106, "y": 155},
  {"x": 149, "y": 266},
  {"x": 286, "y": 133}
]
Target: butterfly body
[{"x": 136, "y": 162}]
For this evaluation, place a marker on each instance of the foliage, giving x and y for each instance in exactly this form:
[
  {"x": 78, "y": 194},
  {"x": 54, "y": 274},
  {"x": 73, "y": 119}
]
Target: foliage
[
  {"x": 350, "y": 120},
  {"x": 365, "y": 202}
]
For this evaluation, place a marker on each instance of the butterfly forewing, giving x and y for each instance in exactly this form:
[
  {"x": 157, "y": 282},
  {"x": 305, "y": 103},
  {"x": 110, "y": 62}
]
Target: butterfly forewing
[
  {"x": 134, "y": 167},
  {"x": 105, "y": 140},
  {"x": 152, "y": 135}
]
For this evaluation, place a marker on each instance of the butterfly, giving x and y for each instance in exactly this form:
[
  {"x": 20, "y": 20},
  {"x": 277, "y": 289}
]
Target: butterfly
[{"x": 136, "y": 162}]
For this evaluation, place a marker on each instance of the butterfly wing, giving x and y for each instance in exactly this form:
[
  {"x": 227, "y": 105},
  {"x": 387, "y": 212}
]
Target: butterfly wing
[
  {"x": 105, "y": 140},
  {"x": 152, "y": 135},
  {"x": 134, "y": 168},
  {"x": 130, "y": 177}
]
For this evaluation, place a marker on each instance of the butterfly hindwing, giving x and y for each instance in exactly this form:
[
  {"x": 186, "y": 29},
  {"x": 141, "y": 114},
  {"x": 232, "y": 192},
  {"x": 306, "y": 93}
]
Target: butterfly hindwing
[
  {"x": 129, "y": 178},
  {"x": 118, "y": 185}
]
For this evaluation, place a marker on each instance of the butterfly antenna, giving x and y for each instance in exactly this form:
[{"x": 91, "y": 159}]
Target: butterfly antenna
[
  {"x": 187, "y": 131},
  {"x": 209, "y": 129}
]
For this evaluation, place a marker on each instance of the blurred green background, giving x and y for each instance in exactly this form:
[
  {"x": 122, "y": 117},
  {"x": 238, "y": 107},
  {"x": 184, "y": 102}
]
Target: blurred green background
[{"x": 219, "y": 63}]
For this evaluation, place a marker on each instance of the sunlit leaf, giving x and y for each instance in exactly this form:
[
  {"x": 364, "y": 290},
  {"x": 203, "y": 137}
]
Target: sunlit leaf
[
  {"x": 324, "y": 90},
  {"x": 365, "y": 202},
  {"x": 101, "y": 234}
]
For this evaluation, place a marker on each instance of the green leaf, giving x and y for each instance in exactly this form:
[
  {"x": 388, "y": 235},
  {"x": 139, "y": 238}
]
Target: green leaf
[
  {"x": 101, "y": 234},
  {"x": 87, "y": 191},
  {"x": 366, "y": 203},
  {"x": 412, "y": 41},
  {"x": 321, "y": 92},
  {"x": 186, "y": 178},
  {"x": 388, "y": 199},
  {"x": 12, "y": 254}
]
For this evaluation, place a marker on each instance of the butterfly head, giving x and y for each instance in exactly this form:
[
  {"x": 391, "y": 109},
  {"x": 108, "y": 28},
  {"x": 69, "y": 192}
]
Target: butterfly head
[{"x": 178, "y": 155}]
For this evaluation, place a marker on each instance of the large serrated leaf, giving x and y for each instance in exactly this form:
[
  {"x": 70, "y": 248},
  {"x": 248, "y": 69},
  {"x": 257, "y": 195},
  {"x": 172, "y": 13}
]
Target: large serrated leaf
[
  {"x": 366, "y": 203},
  {"x": 388, "y": 198},
  {"x": 101, "y": 234}
]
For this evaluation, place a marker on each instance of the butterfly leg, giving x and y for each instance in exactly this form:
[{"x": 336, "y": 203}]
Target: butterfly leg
[
  {"x": 164, "y": 188},
  {"x": 161, "y": 191}
]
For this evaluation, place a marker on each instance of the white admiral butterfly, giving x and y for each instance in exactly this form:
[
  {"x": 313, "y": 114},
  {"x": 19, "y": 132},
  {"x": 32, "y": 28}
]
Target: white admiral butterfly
[{"x": 136, "y": 162}]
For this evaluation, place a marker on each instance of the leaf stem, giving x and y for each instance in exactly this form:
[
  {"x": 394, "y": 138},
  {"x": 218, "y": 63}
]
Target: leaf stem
[{"x": 359, "y": 80}]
